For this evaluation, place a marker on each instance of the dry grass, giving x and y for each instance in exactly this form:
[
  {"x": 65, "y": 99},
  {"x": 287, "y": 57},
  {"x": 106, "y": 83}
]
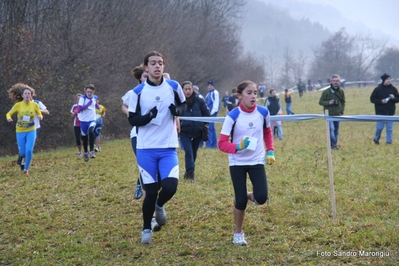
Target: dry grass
[{"x": 68, "y": 212}]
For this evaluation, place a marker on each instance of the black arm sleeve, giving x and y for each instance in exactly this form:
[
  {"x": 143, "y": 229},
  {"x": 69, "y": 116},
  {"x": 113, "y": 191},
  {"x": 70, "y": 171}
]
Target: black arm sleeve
[
  {"x": 181, "y": 108},
  {"x": 137, "y": 120}
]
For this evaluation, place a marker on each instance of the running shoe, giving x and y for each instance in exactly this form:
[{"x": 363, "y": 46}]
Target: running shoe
[
  {"x": 79, "y": 153},
  {"x": 92, "y": 154},
  {"x": 239, "y": 239},
  {"x": 146, "y": 236},
  {"x": 138, "y": 193},
  {"x": 155, "y": 227},
  {"x": 160, "y": 215},
  {"x": 86, "y": 157},
  {"x": 96, "y": 149},
  {"x": 19, "y": 160},
  {"x": 26, "y": 172}
]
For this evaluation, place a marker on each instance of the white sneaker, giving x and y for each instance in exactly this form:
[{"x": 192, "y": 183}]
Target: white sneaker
[
  {"x": 160, "y": 215},
  {"x": 155, "y": 227},
  {"x": 239, "y": 239},
  {"x": 146, "y": 236}
]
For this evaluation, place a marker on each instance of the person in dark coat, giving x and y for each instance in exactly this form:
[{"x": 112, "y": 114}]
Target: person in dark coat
[
  {"x": 191, "y": 131},
  {"x": 384, "y": 97}
]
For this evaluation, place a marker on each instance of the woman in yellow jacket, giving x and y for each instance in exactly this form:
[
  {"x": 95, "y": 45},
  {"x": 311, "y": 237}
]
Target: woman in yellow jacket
[{"x": 25, "y": 126}]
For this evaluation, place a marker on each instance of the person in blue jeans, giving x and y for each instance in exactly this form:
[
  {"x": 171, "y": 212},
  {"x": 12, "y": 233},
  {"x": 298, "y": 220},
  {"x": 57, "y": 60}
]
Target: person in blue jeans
[
  {"x": 191, "y": 131},
  {"x": 384, "y": 97},
  {"x": 288, "y": 102},
  {"x": 213, "y": 102},
  {"x": 273, "y": 104},
  {"x": 333, "y": 100}
]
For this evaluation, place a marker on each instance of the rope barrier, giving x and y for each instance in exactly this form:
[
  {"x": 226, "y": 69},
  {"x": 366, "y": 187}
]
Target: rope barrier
[{"x": 352, "y": 118}]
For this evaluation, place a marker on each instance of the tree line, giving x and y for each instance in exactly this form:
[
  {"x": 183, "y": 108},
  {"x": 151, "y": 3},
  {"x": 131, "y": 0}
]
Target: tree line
[
  {"x": 59, "y": 46},
  {"x": 354, "y": 58}
]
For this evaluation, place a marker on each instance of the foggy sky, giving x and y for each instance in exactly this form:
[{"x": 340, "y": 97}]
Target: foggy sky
[{"x": 378, "y": 14}]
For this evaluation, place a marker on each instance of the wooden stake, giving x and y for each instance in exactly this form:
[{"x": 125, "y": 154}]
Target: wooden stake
[{"x": 330, "y": 168}]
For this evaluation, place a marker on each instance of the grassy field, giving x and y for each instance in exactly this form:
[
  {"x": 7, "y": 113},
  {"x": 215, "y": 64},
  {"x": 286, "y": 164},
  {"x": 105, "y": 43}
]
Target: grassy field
[{"x": 68, "y": 212}]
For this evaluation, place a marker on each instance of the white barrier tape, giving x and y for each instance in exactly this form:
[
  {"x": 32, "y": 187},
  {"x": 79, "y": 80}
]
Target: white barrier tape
[
  {"x": 353, "y": 118},
  {"x": 364, "y": 118}
]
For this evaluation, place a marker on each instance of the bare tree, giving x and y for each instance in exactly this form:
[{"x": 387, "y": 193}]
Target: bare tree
[
  {"x": 272, "y": 69},
  {"x": 299, "y": 66},
  {"x": 350, "y": 56},
  {"x": 287, "y": 75},
  {"x": 388, "y": 63},
  {"x": 367, "y": 52}
]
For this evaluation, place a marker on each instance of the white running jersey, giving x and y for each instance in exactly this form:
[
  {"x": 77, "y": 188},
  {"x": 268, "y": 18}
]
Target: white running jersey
[
  {"x": 247, "y": 125},
  {"x": 125, "y": 101},
  {"x": 88, "y": 114},
  {"x": 161, "y": 131},
  {"x": 42, "y": 107}
]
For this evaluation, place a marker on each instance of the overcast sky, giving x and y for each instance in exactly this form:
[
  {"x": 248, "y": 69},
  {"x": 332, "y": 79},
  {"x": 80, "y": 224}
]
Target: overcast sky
[{"x": 379, "y": 14}]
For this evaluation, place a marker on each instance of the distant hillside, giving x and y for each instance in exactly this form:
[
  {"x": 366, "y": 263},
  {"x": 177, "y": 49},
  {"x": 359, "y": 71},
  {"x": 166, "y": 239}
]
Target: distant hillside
[
  {"x": 330, "y": 18},
  {"x": 268, "y": 30}
]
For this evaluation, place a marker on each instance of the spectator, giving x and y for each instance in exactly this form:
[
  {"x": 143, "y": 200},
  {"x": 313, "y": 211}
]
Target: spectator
[
  {"x": 225, "y": 101},
  {"x": 288, "y": 102},
  {"x": 233, "y": 100},
  {"x": 191, "y": 131},
  {"x": 196, "y": 90},
  {"x": 333, "y": 100},
  {"x": 275, "y": 108},
  {"x": 301, "y": 87},
  {"x": 212, "y": 101},
  {"x": 384, "y": 97},
  {"x": 320, "y": 82},
  {"x": 261, "y": 90},
  {"x": 310, "y": 85}
]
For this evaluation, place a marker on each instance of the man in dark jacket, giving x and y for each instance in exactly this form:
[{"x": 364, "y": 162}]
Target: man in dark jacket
[
  {"x": 301, "y": 86},
  {"x": 333, "y": 100},
  {"x": 384, "y": 97}
]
